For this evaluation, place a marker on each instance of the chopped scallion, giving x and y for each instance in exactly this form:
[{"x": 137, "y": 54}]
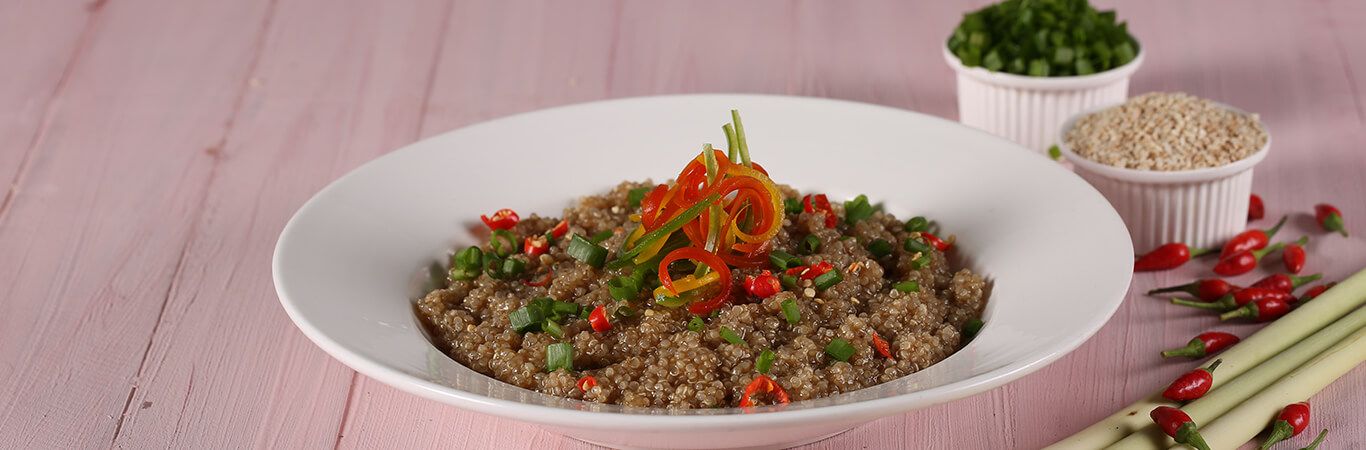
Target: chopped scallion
[
  {"x": 553, "y": 328},
  {"x": 907, "y": 286},
  {"x": 828, "y": 279},
  {"x": 788, "y": 281},
  {"x": 587, "y": 251},
  {"x": 764, "y": 361},
  {"x": 502, "y": 243},
  {"x": 526, "y": 319},
  {"x": 915, "y": 245},
  {"x": 858, "y": 209},
  {"x": 1054, "y": 152},
  {"x": 559, "y": 356},
  {"x": 811, "y": 244},
  {"x": 792, "y": 206},
  {"x": 696, "y": 324},
  {"x": 783, "y": 260},
  {"x": 730, "y": 336},
  {"x": 791, "y": 312},
  {"x": 917, "y": 223},
  {"x": 921, "y": 262},
  {"x": 635, "y": 196},
  {"x": 972, "y": 328},
  {"x": 839, "y": 349},
  {"x": 600, "y": 236},
  {"x": 880, "y": 248}
]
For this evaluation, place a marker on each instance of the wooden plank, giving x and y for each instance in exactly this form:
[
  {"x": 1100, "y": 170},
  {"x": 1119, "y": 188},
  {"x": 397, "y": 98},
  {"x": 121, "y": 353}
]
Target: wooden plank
[
  {"x": 92, "y": 237},
  {"x": 45, "y": 40},
  {"x": 338, "y": 83}
]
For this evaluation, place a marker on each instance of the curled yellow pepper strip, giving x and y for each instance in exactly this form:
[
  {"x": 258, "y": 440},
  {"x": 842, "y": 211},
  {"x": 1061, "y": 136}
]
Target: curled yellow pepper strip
[
  {"x": 775, "y": 203},
  {"x": 685, "y": 285}
]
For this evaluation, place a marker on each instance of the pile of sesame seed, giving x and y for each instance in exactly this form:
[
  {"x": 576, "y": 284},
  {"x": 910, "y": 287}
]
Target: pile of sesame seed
[{"x": 1166, "y": 132}]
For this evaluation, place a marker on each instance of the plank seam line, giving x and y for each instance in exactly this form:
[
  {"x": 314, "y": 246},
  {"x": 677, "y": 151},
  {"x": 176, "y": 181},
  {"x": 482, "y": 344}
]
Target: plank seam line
[
  {"x": 258, "y": 47},
  {"x": 617, "y": 8},
  {"x": 49, "y": 112},
  {"x": 1347, "y": 70},
  {"x": 417, "y": 133}
]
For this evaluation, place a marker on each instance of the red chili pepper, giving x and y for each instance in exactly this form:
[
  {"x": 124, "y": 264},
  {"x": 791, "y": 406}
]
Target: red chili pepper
[
  {"x": 1255, "y": 209},
  {"x": 1167, "y": 256},
  {"x": 1316, "y": 291},
  {"x": 1206, "y": 289},
  {"x": 763, "y": 286},
  {"x": 1243, "y": 262},
  {"x": 811, "y": 271},
  {"x": 820, "y": 203},
  {"x": 587, "y": 382},
  {"x": 544, "y": 281},
  {"x": 1203, "y": 344},
  {"x": 1263, "y": 310},
  {"x": 1237, "y": 299},
  {"x": 1254, "y": 239},
  {"x": 1330, "y": 218},
  {"x": 1192, "y": 385},
  {"x": 1177, "y": 424},
  {"x": 762, "y": 384},
  {"x": 1283, "y": 282},
  {"x": 559, "y": 230},
  {"x": 502, "y": 219},
  {"x": 881, "y": 346},
  {"x": 931, "y": 239},
  {"x": 1293, "y": 420},
  {"x": 598, "y": 319},
  {"x": 1293, "y": 256},
  {"x": 535, "y": 246}
]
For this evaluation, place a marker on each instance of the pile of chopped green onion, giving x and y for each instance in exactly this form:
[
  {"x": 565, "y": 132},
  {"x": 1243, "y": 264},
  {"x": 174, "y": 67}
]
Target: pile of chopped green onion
[{"x": 1043, "y": 38}]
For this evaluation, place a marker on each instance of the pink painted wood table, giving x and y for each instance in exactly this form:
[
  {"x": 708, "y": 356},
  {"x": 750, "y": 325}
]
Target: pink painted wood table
[{"x": 154, "y": 149}]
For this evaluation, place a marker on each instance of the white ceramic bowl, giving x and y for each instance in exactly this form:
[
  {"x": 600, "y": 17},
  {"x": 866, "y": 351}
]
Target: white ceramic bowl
[
  {"x": 349, "y": 264},
  {"x": 1201, "y": 207},
  {"x": 1028, "y": 110}
]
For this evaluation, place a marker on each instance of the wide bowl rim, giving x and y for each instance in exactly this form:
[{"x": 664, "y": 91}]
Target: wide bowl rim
[
  {"x": 1156, "y": 176},
  {"x": 736, "y": 417}
]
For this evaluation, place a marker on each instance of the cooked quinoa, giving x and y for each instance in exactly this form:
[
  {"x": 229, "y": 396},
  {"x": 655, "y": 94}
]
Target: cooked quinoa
[
  {"x": 1166, "y": 132},
  {"x": 651, "y": 359}
]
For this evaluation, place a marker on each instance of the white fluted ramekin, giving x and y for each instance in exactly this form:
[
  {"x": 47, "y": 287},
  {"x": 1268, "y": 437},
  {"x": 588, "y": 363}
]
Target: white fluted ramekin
[
  {"x": 1028, "y": 110},
  {"x": 1200, "y": 207}
]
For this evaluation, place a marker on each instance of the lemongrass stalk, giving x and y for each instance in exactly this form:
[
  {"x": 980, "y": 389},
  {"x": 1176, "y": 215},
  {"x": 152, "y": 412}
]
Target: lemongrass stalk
[
  {"x": 1276, "y": 337},
  {"x": 1219, "y": 401},
  {"x": 1242, "y": 423}
]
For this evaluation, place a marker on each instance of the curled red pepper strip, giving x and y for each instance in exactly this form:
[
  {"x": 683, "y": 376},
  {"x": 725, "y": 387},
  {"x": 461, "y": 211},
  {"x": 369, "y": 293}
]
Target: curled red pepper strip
[
  {"x": 650, "y": 207},
  {"x": 502, "y": 219},
  {"x": 762, "y": 384},
  {"x": 701, "y": 257},
  {"x": 560, "y": 229}
]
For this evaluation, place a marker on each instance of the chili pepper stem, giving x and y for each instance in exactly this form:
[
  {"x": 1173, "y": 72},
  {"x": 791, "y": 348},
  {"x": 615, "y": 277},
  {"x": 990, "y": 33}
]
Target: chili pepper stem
[
  {"x": 1271, "y": 232},
  {"x": 1189, "y": 435},
  {"x": 1301, "y": 281},
  {"x": 1187, "y": 288},
  {"x": 1280, "y": 431},
  {"x": 1198, "y": 252},
  {"x": 1249, "y": 310},
  {"x": 1212, "y": 306},
  {"x": 1318, "y": 440},
  {"x": 1214, "y": 365},
  {"x": 1194, "y": 349},
  {"x": 1334, "y": 222}
]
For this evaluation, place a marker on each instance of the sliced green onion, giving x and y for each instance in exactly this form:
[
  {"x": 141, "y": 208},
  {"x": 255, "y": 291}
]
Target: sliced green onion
[
  {"x": 512, "y": 267},
  {"x": 559, "y": 310},
  {"x": 971, "y": 329},
  {"x": 552, "y": 328},
  {"x": 917, "y": 223},
  {"x": 858, "y": 209},
  {"x": 584, "y": 313},
  {"x": 792, "y": 206},
  {"x": 637, "y": 195},
  {"x": 791, "y": 312},
  {"x": 526, "y": 319},
  {"x": 880, "y": 248},
  {"x": 831, "y": 278},
  {"x": 907, "y": 286},
  {"x": 493, "y": 266},
  {"x": 627, "y": 287},
  {"x": 839, "y": 349},
  {"x": 621, "y": 312},
  {"x": 764, "y": 361},
  {"x": 730, "y": 336},
  {"x": 600, "y": 236},
  {"x": 502, "y": 243},
  {"x": 1054, "y": 152},
  {"x": 915, "y": 245},
  {"x": 783, "y": 260},
  {"x": 696, "y": 324},
  {"x": 921, "y": 262},
  {"x": 587, "y": 251},
  {"x": 559, "y": 356},
  {"x": 811, "y": 244},
  {"x": 788, "y": 281},
  {"x": 669, "y": 301}
]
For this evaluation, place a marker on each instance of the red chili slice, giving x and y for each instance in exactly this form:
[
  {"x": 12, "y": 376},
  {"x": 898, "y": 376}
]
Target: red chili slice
[
  {"x": 544, "y": 281},
  {"x": 598, "y": 319},
  {"x": 587, "y": 382},
  {"x": 535, "y": 246},
  {"x": 763, "y": 286},
  {"x": 820, "y": 203},
  {"x": 502, "y": 219},
  {"x": 762, "y": 384},
  {"x": 560, "y": 229},
  {"x": 881, "y": 346}
]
